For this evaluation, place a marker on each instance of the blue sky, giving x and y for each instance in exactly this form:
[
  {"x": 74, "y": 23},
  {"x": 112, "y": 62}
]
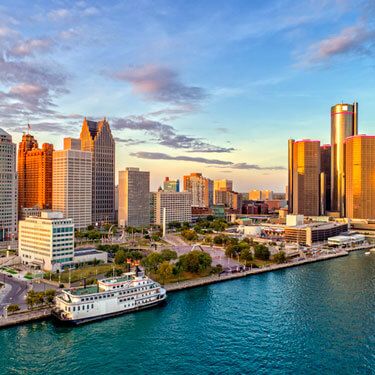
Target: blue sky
[{"x": 188, "y": 86}]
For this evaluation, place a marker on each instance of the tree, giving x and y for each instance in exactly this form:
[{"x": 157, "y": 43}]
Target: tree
[
  {"x": 31, "y": 299},
  {"x": 152, "y": 261},
  {"x": 195, "y": 261},
  {"x": 13, "y": 308},
  {"x": 168, "y": 254},
  {"x": 49, "y": 295},
  {"x": 246, "y": 256},
  {"x": 279, "y": 257},
  {"x": 261, "y": 252},
  {"x": 165, "y": 270},
  {"x": 189, "y": 234},
  {"x": 120, "y": 257}
]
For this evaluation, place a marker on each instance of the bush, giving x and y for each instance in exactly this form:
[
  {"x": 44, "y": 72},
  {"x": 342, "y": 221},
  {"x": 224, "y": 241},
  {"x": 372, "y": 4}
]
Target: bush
[
  {"x": 168, "y": 254},
  {"x": 13, "y": 308},
  {"x": 261, "y": 252},
  {"x": 152, "y": 262}
]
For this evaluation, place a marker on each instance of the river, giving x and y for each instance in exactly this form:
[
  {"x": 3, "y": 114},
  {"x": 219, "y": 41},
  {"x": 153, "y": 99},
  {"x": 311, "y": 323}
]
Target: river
[{"x": 313, "y": 319}]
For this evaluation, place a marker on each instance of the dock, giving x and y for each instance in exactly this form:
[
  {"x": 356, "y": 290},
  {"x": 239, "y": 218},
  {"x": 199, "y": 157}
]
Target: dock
[{"x": 24, "y": 317}]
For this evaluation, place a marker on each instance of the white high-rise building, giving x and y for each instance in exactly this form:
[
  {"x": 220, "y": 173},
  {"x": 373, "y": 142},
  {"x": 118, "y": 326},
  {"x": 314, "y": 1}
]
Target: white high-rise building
[
  {"x": 134, "y": 198},
  {"x": 8, "y": 189},
  {"x": 177, "y": 205},
  {"x": 46, "y": 242},
  {"x": 72, "y": 185}
]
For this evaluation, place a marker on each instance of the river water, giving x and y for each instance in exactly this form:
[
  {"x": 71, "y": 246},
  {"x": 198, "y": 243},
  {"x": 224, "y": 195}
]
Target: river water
[{"x": 313, "y": 319}]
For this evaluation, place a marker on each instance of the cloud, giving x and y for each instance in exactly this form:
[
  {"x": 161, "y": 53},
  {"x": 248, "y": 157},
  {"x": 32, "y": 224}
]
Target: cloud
[
  {"x": 166, "y": 135},
  {"x": 31, "y": 46},
  {"x": 160, "y": 84},
  {"x": 129, "y": 141},
  {"x": 212, "y": 162},
  {"x": 90, "y": 11},
  {"x": 351, "y": 40},
  {"x": 58, "y": 14}
]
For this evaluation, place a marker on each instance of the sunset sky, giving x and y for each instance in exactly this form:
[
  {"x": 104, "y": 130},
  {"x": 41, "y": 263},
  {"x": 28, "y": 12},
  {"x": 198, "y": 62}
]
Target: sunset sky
[{"x": 211, "y": 86}]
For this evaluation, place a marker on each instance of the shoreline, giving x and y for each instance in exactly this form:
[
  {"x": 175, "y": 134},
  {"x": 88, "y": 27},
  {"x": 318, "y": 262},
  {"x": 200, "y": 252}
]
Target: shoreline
[{"x": 213, "y": 279}]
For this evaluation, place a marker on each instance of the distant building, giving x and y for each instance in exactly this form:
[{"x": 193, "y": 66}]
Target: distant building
[
  {"x": 171, "y": 185},
  {"x": 8, "y": 188},
  {"x": 34, "y": 174},
  {"x": 177, "y": 205},
  {"x": 304, "y": 177},
  {"x": 360, "y": 176},
  {"x": 229, "y": 199},
  {"x": 46, "y": 242},
  {"x": 97, "y": 138},
  {"x": 344, "y": 123},
  {"x": 72, "y": 185},
  {"x": 201, "y": 188},
  {"x": 254, "y": 207},
  {"x": 29, "y": 211},
  {"x": 134, "y": 198},
  {"x": 260, "y": 195}
]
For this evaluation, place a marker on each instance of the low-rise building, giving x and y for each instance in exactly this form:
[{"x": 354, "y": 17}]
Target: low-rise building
[
  {"x": 46, "y": 242},
  {"x": 177, "y": 205},
  {"x": 89, "y": 255}
]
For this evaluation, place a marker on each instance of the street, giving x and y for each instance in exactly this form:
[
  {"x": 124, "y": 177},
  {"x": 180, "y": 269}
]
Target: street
[{"x": 16, "y": 294}]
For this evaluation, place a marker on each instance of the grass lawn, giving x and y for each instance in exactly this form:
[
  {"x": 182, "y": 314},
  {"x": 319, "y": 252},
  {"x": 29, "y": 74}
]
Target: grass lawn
[
  {"x": 82, "y": 273},
  {"x": 182, "y": 277}
]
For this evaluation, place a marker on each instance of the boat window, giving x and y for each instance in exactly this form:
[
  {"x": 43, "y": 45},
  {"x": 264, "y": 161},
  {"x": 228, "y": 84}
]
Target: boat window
[
  {"x": 74, "y": 308},
  {"x": 83, "y": 307},
  {"x": 78, "y": 308},
  {"x": 92, "y": 306}
]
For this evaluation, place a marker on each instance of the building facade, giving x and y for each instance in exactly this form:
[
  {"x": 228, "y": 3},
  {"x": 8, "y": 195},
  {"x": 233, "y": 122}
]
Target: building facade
[
  {"x": 72, "y": 185},
  {"x": 360, "y": 177},
  {"x": 8, "y": 189},
  {"x": 171, "y": 185},
  {"x": 97, "y": 138},
  {"x": 201, "y": 188},
  {"x": 177, "y": 205},
  {"x": 34, "y": 174},
  {"x": 344, "y": 123},
  {"x": 46, "y": 242},
  {"x": 304, "y": 176},
  {"x": 134, "y": 198},
  {"x": 325, "y": 178}
]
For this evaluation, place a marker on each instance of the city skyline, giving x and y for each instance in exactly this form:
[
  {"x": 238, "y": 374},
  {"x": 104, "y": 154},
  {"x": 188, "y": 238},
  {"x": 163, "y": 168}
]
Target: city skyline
[{"x": 187, "y": 109}]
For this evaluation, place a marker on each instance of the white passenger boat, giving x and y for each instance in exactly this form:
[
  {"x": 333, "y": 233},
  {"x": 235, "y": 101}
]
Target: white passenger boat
[{"x": 113, "y": 296}]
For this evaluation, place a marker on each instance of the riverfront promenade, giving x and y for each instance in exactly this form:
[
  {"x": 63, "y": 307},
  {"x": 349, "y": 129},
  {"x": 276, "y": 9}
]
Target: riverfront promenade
[{"x": 273, "y": 267}]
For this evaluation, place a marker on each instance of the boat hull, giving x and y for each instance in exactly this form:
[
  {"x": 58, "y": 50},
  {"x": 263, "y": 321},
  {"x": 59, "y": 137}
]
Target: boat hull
[{"x": 70, "y": 322}]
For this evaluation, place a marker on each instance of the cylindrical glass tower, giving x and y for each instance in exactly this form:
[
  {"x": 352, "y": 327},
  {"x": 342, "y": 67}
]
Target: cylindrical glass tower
[{"x": 344, "y": 123}]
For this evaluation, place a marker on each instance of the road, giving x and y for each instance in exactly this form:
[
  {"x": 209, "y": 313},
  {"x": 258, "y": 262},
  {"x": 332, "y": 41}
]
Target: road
[{"x": 16, "y": 293}]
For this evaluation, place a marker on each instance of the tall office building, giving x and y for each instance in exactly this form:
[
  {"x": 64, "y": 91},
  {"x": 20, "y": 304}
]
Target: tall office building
[
  {"x": 344, "y": 123},
  {"x": 360, "y": 176},
  {"x": 134, "y": 198},
  {"x": 46, "y": 242},
  {"x": 177, "y": 205},
  {"x": 304, "y": 176},
  {"x": 97, "y": 138},
  {"x": 72, "y": 184},
  {"x": 34, "y": 174},
  {"x": 201, "y": 188},
  {"x": 325, "y": 178},
  {"x": 222, "y": 186},
  {"x": 260, "y": 195},
  {"x": 8, "y": 188},
  {"x": 171, "y": 185},
  {"x": 229, "y": 199}
]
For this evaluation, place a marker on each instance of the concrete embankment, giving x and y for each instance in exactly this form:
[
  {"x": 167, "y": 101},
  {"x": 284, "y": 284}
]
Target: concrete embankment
[
  {"x": 24, "y": 317},
  {"x": 274, "y": 267}
]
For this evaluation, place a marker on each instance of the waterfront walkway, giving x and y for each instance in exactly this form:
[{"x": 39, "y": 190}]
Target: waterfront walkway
[
  {"x": 25, "y": 317},
  {"x": 224, "y": 277}
]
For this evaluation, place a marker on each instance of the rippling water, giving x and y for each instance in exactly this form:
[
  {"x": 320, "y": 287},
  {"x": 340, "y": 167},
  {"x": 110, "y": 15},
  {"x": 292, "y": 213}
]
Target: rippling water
[{"x": 314, "y": 319}]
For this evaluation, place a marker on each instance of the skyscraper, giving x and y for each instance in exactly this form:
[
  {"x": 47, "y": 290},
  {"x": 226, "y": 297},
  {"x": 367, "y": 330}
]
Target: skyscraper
[
  {"x": 97, "y": 138},
  {"x": 325, "y": 178},
  {"x": 34, "y": 174},
  {"x": 360, "y": 176},
  {"x": 171, "y": 185},
  {"x": 222, "y": 186},
  {"x": 72, "y": 184},
  {"x": 344, "y": 123},
  {"x": 8, "y": 188},
  {"x": 304, "y": 175},
  {"x": 134, "y": 198},
  {"x": 201, "y": 188}
]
